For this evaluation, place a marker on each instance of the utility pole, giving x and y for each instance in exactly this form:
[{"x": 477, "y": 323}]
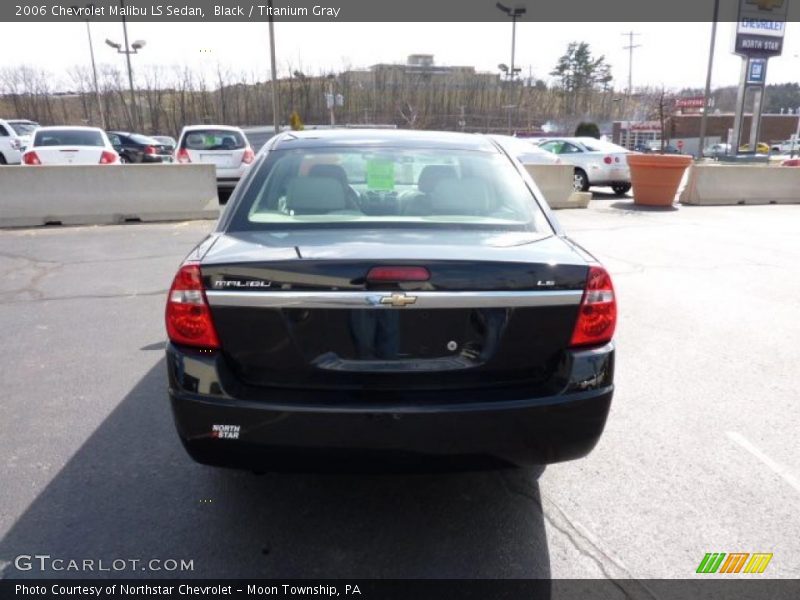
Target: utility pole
[
  {"x": 94, "y": 76},
  {"x": 276, "y": 120},
  {"x": 704, "y": 117},
  {"x": 630, "y": 47}
]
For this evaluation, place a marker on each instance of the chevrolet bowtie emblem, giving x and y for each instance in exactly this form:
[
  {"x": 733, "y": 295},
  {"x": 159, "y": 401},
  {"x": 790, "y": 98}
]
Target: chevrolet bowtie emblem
[{"x": 398, "y": 300}]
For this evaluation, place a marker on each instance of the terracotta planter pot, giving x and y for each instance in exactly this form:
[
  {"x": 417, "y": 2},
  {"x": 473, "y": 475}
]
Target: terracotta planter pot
[{"x": 656, "y": 177}]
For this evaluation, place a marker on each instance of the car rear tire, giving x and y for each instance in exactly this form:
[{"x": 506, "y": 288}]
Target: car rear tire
[
  {"x": 3, "y": 160},
  {"x": 580, "y": 182},
  {"x": 620, "y": 189},
  {"x": 124, "y": 159}
]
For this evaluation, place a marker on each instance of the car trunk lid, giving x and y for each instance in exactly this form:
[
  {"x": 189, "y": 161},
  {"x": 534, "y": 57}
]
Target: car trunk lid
[{"x": 298, "y": 310}]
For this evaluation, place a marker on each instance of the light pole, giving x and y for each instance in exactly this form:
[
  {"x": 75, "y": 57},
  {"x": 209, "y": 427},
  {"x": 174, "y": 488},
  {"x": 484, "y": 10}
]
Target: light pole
[
  {"x": 515, "y": 13},
  {"x": 136, "y": 46}
]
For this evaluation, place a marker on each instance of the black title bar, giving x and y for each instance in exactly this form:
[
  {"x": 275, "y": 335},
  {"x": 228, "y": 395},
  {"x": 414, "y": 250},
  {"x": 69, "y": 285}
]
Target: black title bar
[{"x": 378, "y": 10}]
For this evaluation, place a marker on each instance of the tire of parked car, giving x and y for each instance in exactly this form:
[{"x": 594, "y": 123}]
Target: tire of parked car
[
  {"x": 580, "y": 181},
  {"x": 621, "y": 189}
]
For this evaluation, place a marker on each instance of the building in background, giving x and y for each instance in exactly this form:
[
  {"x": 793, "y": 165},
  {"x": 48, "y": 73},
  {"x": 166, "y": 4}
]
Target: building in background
[{"x": 683, "y": 130}]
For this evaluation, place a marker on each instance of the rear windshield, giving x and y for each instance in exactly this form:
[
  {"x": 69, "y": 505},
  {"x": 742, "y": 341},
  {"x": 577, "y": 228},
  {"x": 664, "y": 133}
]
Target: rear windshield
[
  {"x": 68, "y": 137},
  {"x": 143, "y": 139},
  {"x": 22, "y": 128},
  {"x": 392, "y": 187},
  {"x": 214, "y": 139}
]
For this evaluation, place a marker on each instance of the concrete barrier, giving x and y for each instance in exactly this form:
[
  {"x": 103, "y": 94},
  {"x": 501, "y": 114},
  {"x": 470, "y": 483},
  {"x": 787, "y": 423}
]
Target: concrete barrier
[
  {"x": 741, "y": 184},
  {"x": 96, "y": 194},
  {"x": 555, "y": 183}
]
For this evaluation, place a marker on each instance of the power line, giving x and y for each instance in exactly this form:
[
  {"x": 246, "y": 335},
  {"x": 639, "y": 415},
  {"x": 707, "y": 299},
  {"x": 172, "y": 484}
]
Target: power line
[{"x": 630, "y": 47}]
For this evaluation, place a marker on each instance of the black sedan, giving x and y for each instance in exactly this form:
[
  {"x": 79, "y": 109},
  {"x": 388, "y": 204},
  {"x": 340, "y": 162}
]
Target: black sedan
[
  {"x": 388, "y": 296},
  {"x": 138, "y": 148}
]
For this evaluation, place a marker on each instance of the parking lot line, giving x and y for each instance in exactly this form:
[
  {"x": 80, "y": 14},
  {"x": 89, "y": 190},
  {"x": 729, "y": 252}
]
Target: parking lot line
[{"x": 780, "y": 470}]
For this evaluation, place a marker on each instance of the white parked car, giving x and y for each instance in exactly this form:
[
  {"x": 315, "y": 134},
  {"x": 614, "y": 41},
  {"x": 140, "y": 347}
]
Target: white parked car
[
  {"x": 224, "y": 147},
  {"x": 70, "y": 146},
  {"x": 525, "y": 151},
  {"x": 716, "y": 150},
  {"x": 15, "y": 136},
  {"x": 596, "y": 162},
  {"x": 786, "y": 146}
]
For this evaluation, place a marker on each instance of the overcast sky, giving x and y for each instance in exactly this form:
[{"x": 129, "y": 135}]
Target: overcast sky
[{"x": 672, "y": 54}]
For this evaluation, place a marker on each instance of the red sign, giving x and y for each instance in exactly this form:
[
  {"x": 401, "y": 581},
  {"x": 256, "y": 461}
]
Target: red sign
[
  {"x": 680, "y": 144},
  {"x": 693, "y": 102}
]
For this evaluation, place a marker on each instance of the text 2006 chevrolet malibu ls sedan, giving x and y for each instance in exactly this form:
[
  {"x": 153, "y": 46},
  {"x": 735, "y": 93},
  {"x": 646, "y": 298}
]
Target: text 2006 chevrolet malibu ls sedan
[{"x": 389, "y": 296}]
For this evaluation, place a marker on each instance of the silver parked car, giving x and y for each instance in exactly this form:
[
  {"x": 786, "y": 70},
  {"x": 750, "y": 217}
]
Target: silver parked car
[
  {"x": 525, "y": 151},
  {"x": 596, "y": 162},
  {"x": 224, "y": 147},
  {"x": 716, "y": 150}
]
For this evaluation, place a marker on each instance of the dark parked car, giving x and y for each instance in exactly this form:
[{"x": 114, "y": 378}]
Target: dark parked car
[
  {"x": 389, "y": 295},
  {"x": 137, "y": 148},
  {"x": 168, "y": 142}
]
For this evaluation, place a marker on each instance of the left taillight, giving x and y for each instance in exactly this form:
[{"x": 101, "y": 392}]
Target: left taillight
[
  {"x": 248, "y": 155},
  {"x": 608, "y": 160},
  {"x": 108, "y": 157},
  {"x": 31, "y": 158},
  {"x": 188, "y": 315},
  {"x": 597, "y": 315}
]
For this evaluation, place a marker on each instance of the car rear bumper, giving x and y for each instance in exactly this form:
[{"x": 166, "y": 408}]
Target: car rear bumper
[
  {"x": 316, "y": 429},
  {"x": 227, "y": 182}
]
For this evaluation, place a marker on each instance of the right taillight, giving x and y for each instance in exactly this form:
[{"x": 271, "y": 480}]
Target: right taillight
[
  {"x": 188, "y": 315},
  {"x": 248, "y": 155},
  {"x": 108, "y": 157},
  {"x": 597, "y": 315},
  {"x": 31, "y": 158},
  {"x": 183, "y": 156}
]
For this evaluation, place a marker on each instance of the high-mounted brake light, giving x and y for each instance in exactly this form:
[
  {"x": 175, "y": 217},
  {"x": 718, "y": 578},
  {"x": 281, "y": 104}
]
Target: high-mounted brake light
[
  {"x": 248, "y": 155},
  {"x": 597, "y": 315},
  {"x": 31, "y": 158},
  {"x": 108, "y": 157},
  {"x": 183, "y": 156},
  {"x": 398, "y": 274},
  {"x": 188, "y": 315}
]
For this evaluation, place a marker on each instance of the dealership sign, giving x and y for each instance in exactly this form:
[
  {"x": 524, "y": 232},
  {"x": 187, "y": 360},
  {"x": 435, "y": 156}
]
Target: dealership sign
[{"x": 760, "y": 27}]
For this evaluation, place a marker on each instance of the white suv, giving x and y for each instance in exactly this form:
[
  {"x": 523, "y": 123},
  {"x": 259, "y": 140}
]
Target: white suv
[
  {"x": 224, "y": 147},
  {"x": 15, "y": 136}
]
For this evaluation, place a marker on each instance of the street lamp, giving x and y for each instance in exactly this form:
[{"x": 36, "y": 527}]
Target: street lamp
[
  {"x": 94, "y": 66},
  {"x": 515, "y": 13},
  {"x": 137, "y": 45}
]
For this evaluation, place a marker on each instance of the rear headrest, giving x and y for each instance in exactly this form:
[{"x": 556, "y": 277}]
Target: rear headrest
[
  {"x": 468, "y": 196},
  {"x": 315, "y": 195},
  {"x": 333, "y": 171},
  {"x": 433, "y": 174}
]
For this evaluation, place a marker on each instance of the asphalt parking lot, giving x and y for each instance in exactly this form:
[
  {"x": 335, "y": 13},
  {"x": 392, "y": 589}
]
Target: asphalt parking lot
[{"x": 700, "y": 453}]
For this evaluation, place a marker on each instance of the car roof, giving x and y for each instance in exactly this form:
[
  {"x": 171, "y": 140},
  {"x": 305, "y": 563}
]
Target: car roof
[
  {"x": 204, "y": 127},
  {"x": 408, "y": 138},
  {"x": 73, "y": 127}
]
